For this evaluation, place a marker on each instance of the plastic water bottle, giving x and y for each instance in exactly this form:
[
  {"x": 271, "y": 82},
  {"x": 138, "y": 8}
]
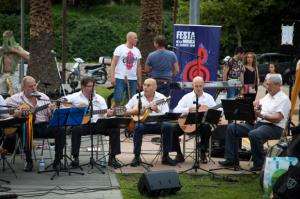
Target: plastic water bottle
[{"x": 42, "y": 164}]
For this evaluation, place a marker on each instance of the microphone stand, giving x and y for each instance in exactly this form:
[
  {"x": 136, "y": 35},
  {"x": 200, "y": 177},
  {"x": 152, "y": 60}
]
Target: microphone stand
[
  {"x": 60, "y": 79},
  {"x": 144, "y": 164},
  {"x": 92, "y": 162},
  {"x": 196, "y": 164}
]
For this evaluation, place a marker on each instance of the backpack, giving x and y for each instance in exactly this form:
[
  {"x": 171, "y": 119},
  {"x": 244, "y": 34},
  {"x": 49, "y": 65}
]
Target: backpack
[{"x": 288, "y": 184}]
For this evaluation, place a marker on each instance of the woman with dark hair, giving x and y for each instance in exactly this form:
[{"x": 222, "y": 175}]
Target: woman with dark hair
[{"x": 251, "y": 76}]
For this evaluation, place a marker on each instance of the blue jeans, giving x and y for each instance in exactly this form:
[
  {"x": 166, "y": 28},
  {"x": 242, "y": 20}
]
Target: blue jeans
[
  {"x": 163, "y": 88},
  {"x": 163, "y": 128},
  {"x": 121, "y": 87},
  {"x": 258, "y": 135},
  {"x": 232, "y": 92}
]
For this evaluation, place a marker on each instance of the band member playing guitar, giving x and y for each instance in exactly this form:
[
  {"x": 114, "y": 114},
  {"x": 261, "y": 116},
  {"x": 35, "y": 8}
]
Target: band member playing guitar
[
  {"x": 187, "y": 104},
  {"x": 149, "y": 97},
  {"x": 99, "y": 104},
  {"x": 33, "y": 101}
]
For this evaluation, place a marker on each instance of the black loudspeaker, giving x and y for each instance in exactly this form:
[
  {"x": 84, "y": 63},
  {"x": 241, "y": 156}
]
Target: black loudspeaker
[
  {"x": 218, "y": 144},
  {"x": 159, "y": 183},
  {"x": 218, "y": 141}
]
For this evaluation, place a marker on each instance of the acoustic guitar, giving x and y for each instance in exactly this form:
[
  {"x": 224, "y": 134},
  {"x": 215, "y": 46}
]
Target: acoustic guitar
[
  {"x": 146, "y": 110},
  {"x": 190, "y": 128}
]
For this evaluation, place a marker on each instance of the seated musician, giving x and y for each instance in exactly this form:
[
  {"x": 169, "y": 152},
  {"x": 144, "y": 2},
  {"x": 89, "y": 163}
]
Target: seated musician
[
  {"x": 188, "y": 104},
  {"x": 41, "y": 118},
  {"x": 3, "y": 149},
  {"x": 148, "y": 97},
  {"x": 82, "y": 98},
  {"x": 272, "y": 112}
]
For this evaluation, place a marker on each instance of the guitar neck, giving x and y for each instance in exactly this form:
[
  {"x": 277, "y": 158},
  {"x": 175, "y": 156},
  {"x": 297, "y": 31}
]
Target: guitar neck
[
  {"x": 101, "y": 111},
  {"x": 6, "y": 111}
]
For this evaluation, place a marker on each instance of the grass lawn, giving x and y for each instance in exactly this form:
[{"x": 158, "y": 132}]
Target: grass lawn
[{"x": 200, "y": 186}]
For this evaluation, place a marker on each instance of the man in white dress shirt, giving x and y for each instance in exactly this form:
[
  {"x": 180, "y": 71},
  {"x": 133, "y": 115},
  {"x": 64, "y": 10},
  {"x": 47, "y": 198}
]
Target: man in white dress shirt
[
  {"x": 272, "y": 113},
  {"x": 149, "y": 96},
  {"x": 82, "y": 98},
  {"x": 188, "y": 104}
]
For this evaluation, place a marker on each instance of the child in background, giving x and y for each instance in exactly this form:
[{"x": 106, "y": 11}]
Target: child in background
[{"x": 273, "y": 69}]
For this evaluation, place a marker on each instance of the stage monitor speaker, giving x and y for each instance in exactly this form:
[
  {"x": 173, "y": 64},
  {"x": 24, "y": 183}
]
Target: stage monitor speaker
[{"x": 159, "y": 183}]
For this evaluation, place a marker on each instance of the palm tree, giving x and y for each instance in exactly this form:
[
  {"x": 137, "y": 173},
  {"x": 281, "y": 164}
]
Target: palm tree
[
  {"x": 42, "y": 64},
  {"x": 151, "y": 25}
]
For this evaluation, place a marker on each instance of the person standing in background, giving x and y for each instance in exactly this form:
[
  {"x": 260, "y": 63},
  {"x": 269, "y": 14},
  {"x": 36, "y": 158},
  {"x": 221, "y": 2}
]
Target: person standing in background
[
  {"x": 126, "y": 63},
  {"x": 233, "y": 71},
  {"x": 10, "y": 55},
  {"x": 162, "y": 64},
  {"x": 251, "y": 76}
]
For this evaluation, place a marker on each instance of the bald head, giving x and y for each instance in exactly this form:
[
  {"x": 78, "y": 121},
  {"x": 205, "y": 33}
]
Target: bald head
[
  {"x": 131, "y": 39},
  {"x": 28, "y": 85},
  {"x": 198, "y": 79},
  {"x": 198, "y": 84},
  {"x": 149, "y": 87}
]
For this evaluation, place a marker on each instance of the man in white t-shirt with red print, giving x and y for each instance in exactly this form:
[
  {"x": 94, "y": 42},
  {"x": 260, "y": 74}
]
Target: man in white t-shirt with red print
[{"x": 126, "y": 62}]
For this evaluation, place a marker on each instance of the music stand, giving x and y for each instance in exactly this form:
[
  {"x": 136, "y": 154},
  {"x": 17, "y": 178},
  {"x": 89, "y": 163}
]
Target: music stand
[
  {"x": 110, "y": 123},
  {"x": 168, "y": 116},
  {"x": 5, "y": 123},
  {"x": 62, "y": 118},
  {"x": 210, "y": 116},
  {"x": 237, "y": 109},
  {"x": 9, "y": 122}
]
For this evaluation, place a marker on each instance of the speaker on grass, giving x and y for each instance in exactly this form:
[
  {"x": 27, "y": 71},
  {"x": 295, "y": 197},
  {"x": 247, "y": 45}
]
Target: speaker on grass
[{"x": 159, "y": 183}]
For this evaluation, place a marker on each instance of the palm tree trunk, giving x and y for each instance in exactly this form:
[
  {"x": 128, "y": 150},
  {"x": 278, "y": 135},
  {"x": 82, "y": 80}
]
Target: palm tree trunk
[
  {"x": 151, "y": 25},
  {"x": 42, "y": 64}
]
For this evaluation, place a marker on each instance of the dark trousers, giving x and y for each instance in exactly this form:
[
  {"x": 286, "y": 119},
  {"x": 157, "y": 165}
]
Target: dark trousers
[
  {"x": 114, "y": 138},
  {"x": 163, "y": 88},
  {"x": 258, "y": 135},
  {"x": 42, "y": 130},
  {"x": 204, "y": 132},
  {"x": 163, "y": 128}
]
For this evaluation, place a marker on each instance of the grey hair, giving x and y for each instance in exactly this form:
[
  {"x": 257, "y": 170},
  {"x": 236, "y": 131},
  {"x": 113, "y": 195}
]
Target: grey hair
[{"x": 275, "y": 78}]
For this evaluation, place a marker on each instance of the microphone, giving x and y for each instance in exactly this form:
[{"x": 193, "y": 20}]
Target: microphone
[
  {"x": 169, "y": 46},
  {"x": 35, "y": 94}
]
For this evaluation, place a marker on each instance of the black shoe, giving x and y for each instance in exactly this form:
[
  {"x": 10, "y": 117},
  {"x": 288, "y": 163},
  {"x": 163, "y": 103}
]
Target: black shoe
[
  {"x": 113, "y": 162},
  {"x": 75, "y": 162},
  {"x": 179, "y": 158},
  {"x": 168, "y": 161},
  {"x": 136, "y": 161},
  {"x": 203, "y": 158},
  {"x": 256, "y": 168},
  {"x": 28, "y": 166},
  {"x": 228, "y": 163},
  {"x": 56, "y": 164}
]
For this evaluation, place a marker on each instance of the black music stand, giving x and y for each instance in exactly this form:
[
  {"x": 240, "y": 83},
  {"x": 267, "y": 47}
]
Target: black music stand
[
  {"x": 237, "y": 109},
  {"x": 161, "y": 118},
  {"x": 62, "y": 118},
  {"x": 210, "y": 116},
  {"x": 5, "y": 123},
  {"x": 109, "y": 123},
  {"x": 8, "y": 123}
]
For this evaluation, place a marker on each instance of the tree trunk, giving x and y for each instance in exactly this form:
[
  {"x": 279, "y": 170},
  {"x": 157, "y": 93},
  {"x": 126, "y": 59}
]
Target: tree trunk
[
  {"x": 151, "y": 25},
  {"x": 42, "y": 64},
  {"x": 238, "y": 35}
]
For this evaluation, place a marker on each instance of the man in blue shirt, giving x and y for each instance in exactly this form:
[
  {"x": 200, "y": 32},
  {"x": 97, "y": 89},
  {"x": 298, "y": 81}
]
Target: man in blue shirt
[{"x": 163, "y": 65}]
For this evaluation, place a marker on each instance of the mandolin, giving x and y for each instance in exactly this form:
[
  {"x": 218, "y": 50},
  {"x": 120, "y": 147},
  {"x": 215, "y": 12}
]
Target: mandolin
[
  {"x": 190, "y": 128},
  {"x": 26, "y": 110},
  {"x": 146, "y": 110}
]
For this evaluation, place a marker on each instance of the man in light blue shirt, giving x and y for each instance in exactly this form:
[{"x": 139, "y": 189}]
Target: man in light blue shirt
[{"x": 163, "y": 65}]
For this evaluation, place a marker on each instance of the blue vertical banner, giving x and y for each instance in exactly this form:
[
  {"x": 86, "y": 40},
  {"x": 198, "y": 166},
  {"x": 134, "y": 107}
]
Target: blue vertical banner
[{"x": 197, "y": 49}]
